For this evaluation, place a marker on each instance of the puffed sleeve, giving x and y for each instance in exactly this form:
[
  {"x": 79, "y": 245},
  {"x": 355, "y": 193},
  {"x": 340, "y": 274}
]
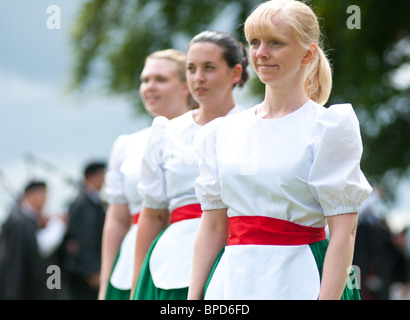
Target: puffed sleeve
[
  {"x": 335, "y": 178},
  {"x": 207, "y": 187},
  {"x": 114, "y": 179},
  {"x": 152, "y": 182}
]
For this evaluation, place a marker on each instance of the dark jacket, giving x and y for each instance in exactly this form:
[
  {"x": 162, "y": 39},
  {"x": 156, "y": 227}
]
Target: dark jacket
[
  {"x": 23, "y": 273},
  {"x": 84, "y": 236}
]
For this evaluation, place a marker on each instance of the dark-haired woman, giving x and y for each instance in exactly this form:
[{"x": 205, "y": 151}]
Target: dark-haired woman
[{"x": 216, "y": 63}]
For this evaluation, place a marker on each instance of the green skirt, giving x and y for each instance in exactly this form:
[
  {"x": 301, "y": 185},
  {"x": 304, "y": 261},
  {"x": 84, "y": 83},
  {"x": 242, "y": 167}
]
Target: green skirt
[
  {"x": 351, "y": 291},
  {"x": 114, "y": 293},
  {"x": 145, "y": 288}
]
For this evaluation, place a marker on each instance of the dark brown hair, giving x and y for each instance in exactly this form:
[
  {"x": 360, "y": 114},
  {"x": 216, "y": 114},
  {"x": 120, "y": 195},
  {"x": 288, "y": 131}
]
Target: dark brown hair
[{"x": 234, "y": 52}]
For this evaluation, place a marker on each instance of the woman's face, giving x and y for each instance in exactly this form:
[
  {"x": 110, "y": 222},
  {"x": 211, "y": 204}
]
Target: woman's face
[
  {"x": 278, "y": 58},
  {"x": 208, "y": 75},
  {"x": 162, "y": 90}
]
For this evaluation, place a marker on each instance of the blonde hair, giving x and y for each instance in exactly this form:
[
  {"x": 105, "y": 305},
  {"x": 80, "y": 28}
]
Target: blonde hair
[
  {"x": 304, "y": 24},
  {"x": 180, "y": 59}
]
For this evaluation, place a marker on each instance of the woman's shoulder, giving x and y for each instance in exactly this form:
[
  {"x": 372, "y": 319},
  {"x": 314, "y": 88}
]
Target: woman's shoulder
[
  {"x": 159, "y": 121},
  {"x": 338, "y": 124},
  {"x": 158, "y": 126},
  {"x": 336, "y": 116},
  {"x": 119, "y": 147},
  {"x": 123, "y": 141},
  {"x": 335, "y": 111}
]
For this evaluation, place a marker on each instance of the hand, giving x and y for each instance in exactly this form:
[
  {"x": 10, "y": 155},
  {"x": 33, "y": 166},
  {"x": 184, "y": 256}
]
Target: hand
[{"x": 93, "y": 280}]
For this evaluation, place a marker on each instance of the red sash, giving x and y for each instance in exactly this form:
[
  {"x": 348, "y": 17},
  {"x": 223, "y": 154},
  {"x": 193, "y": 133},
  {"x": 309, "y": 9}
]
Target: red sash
[
  {"x": 271, "y": 231},
  {"x": 190, "y": 211},
  {"x": 135, "y": 218}
]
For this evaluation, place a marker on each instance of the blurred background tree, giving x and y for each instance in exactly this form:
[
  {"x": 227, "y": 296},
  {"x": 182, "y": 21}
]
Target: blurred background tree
[{"x": 371, "y": 65}]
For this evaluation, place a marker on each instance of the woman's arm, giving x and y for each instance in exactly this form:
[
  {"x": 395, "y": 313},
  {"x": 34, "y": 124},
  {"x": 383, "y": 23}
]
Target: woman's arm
[
  {"x": 150, "y": 223},
  {"x": 339, "y": 255},
  {"x": 116, "y": 226},
  {"x": 212, "y": 236}
]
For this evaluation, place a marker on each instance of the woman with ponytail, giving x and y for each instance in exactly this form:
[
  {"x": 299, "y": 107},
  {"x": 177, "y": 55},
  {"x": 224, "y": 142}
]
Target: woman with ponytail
[{"x": 272, "y": 177}]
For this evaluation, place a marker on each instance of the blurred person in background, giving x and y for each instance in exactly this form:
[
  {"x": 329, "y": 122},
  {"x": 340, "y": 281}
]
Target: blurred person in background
[
  {"x": 380, "y": 253},
  {"x": 28, "y": 245},
  {"x": 82, "y": 249}
]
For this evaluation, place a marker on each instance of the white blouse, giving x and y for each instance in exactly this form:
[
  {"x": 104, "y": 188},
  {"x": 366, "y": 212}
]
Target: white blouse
[
  {"x": 170, "y": 165},
  {"x": 124, "y": 168},
  {"x": 300, "y": 168},
  {"x": 122, "y": 178},
  {"x": 169, "y": 170}
]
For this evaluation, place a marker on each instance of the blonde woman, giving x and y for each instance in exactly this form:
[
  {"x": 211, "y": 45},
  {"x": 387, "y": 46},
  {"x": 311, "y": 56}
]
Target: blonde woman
[
  {"x": 163, "y": 91},
  {"x": 272, "y": 177}
]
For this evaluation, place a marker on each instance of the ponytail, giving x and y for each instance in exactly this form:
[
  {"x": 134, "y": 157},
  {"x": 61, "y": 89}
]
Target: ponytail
[
  {"x": 245, "y": 63},
  {"x": 318, "y": 82}
]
